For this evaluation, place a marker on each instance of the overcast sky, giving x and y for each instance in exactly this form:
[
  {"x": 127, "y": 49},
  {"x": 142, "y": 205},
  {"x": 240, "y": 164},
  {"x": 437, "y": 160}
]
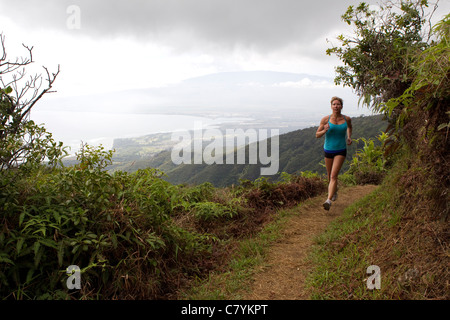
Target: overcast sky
[
  {"x": 139, "y": 43},
  {"x": 109, "y": 45}
]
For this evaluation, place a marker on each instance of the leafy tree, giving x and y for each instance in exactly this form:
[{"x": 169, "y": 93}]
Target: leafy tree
[
  {"x": 22, "y": 142},
  {"x": 399, "y": 65},
  {"x": 378, "y": 56},
  {"x": 430, "y": 87}
]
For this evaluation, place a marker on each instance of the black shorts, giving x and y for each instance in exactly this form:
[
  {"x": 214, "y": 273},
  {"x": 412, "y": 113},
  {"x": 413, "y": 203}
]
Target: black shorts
[{"x": 331, "y": 155}]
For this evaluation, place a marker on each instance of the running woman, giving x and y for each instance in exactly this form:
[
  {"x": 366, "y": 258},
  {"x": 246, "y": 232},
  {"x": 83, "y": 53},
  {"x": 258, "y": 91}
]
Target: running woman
[{"x": 337, "y": 129}]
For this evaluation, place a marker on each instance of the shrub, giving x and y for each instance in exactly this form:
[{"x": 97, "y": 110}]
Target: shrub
[
  {"x": 117, "y": 228},
  {"x": 368, "y": 165},
  {"x": 207, "y": 211}
]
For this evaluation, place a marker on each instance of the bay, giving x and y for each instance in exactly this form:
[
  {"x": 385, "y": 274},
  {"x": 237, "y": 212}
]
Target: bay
[{"x": 100, "y": 128}]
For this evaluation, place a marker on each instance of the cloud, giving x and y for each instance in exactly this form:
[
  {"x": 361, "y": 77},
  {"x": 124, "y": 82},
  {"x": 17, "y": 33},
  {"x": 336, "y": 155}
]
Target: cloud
[
  {"x": 262, "y": 25},
  {"x": 305, "y": 83}
]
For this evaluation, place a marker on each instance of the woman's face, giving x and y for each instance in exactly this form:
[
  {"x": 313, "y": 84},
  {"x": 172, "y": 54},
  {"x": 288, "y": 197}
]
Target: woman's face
[{"x": 336, "y": 106}]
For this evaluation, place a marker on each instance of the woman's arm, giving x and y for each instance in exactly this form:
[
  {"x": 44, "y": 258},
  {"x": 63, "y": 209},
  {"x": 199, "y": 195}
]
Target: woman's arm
[
  {"x": 323, "y": 127},
  {"x": 349, "y": 131}
]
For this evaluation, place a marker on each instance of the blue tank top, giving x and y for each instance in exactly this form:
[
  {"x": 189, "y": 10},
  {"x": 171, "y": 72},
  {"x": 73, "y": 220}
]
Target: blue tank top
[{"x": 336, "y": 137}]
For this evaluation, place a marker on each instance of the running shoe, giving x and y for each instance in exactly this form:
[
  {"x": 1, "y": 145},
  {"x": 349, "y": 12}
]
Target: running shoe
[{"x": 327, "y": 205}]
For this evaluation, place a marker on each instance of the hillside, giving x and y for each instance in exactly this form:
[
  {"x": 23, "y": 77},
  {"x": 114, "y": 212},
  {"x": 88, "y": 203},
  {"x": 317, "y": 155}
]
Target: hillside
[{"x": 298, "y": 151}]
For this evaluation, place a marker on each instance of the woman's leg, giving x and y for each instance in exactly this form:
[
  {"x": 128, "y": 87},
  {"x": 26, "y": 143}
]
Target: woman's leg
[
  {"x": 329, "y": 166},
  {"x": 336, "y": 166}
]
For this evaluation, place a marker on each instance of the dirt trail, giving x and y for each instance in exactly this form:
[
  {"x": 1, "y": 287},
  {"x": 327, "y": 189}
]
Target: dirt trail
[{"x": 283, "y": 275}]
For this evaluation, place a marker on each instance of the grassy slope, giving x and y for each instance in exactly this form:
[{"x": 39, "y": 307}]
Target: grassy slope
[{"x": 395, "y": 228}]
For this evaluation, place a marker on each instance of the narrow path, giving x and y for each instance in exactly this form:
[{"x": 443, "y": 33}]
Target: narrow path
[{"x": 283, "y": 275}]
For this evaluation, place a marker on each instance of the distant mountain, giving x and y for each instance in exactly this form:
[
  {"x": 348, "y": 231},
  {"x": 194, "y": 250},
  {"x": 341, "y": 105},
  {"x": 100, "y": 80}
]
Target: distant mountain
[
  {"x": 206, "y": 91},
  {"x": 253, "y": 77},
  {"x": 231, "y": 92},
  {"x": 299, "y": 150}
]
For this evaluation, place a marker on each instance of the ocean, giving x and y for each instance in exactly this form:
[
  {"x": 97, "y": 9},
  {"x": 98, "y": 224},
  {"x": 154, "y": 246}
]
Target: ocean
[{"x": 98, "y": 128}]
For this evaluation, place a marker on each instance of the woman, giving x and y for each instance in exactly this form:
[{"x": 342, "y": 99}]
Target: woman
[{"x": 337, "y": 129}]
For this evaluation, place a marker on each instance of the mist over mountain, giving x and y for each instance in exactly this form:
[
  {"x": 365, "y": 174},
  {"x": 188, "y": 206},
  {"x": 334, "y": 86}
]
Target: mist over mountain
[
  {"x": 260, "y": 77},
  {"x": 220, "y": 93},
  {"x": 243, "y": 92}
]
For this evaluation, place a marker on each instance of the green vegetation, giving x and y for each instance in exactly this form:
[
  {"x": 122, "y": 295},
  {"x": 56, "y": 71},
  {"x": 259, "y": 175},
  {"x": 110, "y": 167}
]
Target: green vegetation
[
  {"x": 369, "y": 164},
  {"x": 403, "y": 226},
  {"x": 134, "y": 235}
]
